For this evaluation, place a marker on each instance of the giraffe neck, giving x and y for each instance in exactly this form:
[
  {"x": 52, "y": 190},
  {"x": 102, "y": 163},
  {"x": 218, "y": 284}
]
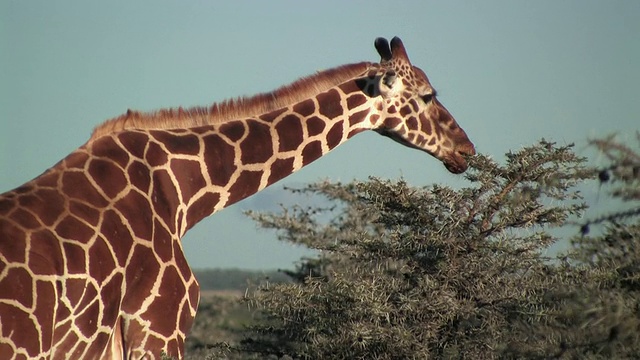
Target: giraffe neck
[{"x": 191, "y": 173}]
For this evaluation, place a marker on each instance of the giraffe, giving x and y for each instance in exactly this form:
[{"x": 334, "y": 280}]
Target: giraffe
[{"x": 91, "y": 261}]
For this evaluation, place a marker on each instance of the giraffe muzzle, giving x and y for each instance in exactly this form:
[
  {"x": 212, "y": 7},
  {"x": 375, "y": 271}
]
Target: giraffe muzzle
[{"x": 456, "y": 161}]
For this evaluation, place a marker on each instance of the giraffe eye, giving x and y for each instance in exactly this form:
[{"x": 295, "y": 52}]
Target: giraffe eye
[{"x": 428, "y": 97}]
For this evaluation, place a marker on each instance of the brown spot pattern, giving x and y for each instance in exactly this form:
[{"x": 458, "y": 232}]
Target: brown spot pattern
[
  {"x": 136, "y": 206},
  {"x": 247, "y": 184},
  {"x": 201, "y": 208},
  {"x": 155, "y": 155},
  {"x": 280, "y": 169},
  {"x": 257, "y": 147},
  {"x": 107, "y": 148},
  {"x": 114, "y": 228},
  {"x": 162, "y": 242},
  {"x": 315, "y": 125},
  {"x": 17, "y": 285},
  {"x": 289, "y": 131},
  {"x": 220, "y": 159},
  {"x": 164, "y": 197},
  {"x": 305, "y": 108},
  {"x": 178, "y": 144},
  {"x": 331, "y": 106},
  {"x": 108, "y": 176},
  {"x": 15, "y": 250},
  {"x": 189, "y": 176},
  {"x": 134, "y": 142},
  {"x": 334, "y": 137},
  {"x": 76, "y": 258},
  {"x": 45, "y": 254},
  {"x": 102, "y": 262},
  {"x": 139, "y": 176},
  {"x": 233, "y": 130},
  {"x": 66, "y": 229},
  {"x": 172, "y": 291},
  {"x": 142, "y": 263},
  {"x": 76, "y": 186},
  {"x": 311, "y": 152}
]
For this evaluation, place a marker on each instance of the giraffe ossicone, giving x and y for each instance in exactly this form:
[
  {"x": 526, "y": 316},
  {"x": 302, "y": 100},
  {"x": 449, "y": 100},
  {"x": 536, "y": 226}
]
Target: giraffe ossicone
[{"x": 91, "y": 261}]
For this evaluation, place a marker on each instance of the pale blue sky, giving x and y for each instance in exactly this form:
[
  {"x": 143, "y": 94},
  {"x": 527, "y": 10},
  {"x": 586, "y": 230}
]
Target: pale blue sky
[{"x": 511, "y": 72}]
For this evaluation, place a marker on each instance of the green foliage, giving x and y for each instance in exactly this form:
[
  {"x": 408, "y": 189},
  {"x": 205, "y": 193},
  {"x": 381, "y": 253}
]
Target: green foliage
[{"x": 438, "y": 272}]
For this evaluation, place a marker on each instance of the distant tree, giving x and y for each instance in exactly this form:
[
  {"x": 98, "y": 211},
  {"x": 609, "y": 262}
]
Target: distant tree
[
  {"x": 448, "y": 273},
  {"x": 235, "y": 279}
]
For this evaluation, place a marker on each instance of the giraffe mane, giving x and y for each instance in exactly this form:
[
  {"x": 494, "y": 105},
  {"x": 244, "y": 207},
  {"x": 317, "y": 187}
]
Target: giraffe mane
[{"x": 238, "y": 108}]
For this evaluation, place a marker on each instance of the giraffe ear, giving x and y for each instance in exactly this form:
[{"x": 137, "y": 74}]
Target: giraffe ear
[
  {"x": 382, "y": 46},
  {"x": 387, "y": 83}
]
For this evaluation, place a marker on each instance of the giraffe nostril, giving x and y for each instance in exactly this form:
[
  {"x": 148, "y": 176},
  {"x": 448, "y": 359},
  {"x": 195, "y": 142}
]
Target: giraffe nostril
[{"x": 466, "y": 149}]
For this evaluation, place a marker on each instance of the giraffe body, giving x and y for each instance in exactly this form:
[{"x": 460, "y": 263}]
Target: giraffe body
[{"x": 91, "y": 262}]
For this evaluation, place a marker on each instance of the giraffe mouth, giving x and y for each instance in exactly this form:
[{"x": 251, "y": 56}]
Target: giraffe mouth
[
  {"x": 455, "y": 161},
  {"x": 456, "y": 164}
]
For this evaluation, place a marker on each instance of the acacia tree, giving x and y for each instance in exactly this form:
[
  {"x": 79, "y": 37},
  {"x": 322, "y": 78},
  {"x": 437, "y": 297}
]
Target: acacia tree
[
  {"x": 437, "y": 272},
  {"x": 604, "y": 313}
]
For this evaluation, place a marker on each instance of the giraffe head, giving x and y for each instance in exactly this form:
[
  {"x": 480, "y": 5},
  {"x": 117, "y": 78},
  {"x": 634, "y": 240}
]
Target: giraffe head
[{"x": 409, "y": 113}]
